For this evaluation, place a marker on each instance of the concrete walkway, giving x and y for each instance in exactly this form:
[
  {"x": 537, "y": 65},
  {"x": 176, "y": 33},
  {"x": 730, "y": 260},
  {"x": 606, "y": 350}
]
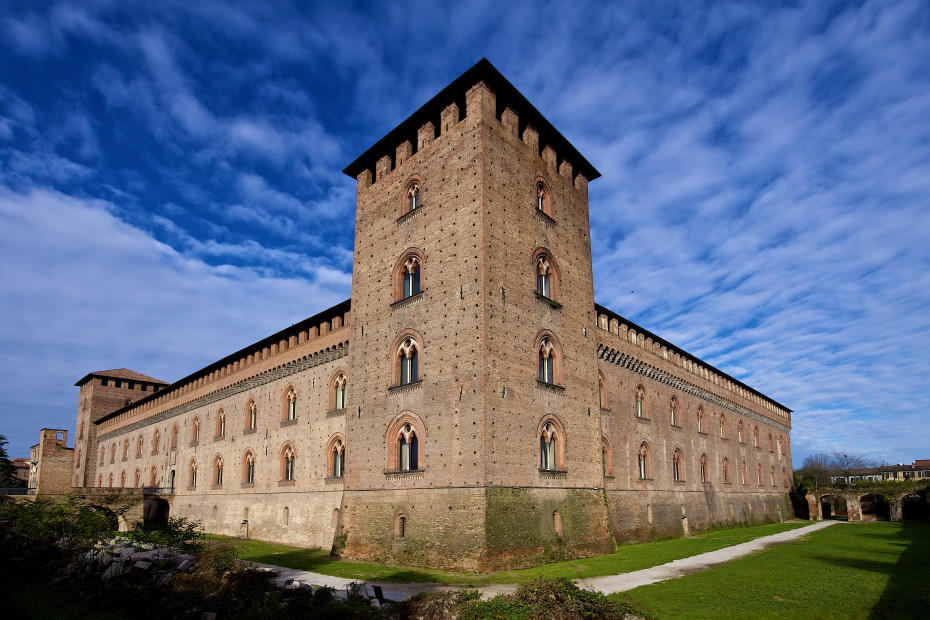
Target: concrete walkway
[{"x": 607, "y": 584}]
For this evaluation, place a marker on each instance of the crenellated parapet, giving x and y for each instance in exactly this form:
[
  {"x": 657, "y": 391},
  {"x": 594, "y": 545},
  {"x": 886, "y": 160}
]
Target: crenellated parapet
[
  {"x": 254, "y": 365},
  {"x": 690, "y": 366},
  {"x": 478, "y": 94}
]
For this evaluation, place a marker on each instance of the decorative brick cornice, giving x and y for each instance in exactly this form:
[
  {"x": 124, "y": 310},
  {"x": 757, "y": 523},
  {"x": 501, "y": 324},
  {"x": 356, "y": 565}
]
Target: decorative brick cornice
[
  {"x": 409, "y": 215},
  {"x": 640, "y": 367},
  {"x": 407, "y": 387},
  {"x": 416, "y": 474},
  {"x": 237, "y": 388},
  {"x": 552, "y": 387},
  {"x": 545, "y": 219},
  {"x": 406, "y": 301}
]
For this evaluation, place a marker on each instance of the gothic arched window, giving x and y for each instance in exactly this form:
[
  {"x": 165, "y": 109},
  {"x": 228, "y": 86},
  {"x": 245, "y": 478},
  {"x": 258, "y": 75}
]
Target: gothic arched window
[
  {"x": 337, "y": 454},
  {"x": 677, "y": 465},
  {"x": 547, "y": 441},
  {"x": 407, "y": 360},
  {"x": 546, "y": 361},
  {"x": 248, "y": 467},
  {"x": 290, "y": 404},
  {"x": 339, "y": 392},
  {"x": 643, "y": 458},
  {"x": 288, "y": 460},
  {"x": 410, "y": 274},
  {"x": 407, "y": 449},
  {"x": 543, "y": 276},
  {"x": 640, "y": 402},
  {"x": 413, "y": 196},
  {"x": 218, "y": 471},
  {"x": 251, "y": 416}
]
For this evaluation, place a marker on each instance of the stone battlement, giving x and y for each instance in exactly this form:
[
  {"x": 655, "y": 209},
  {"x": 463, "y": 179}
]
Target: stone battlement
[
  {"x": 634, "y": 334},
  {"x": 479, "y": 92},
  {"x": 293, "y": 345}
]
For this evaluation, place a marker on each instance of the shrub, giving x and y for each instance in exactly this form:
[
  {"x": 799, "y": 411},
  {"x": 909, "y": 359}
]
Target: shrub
[{"x": 179, "y": 533}]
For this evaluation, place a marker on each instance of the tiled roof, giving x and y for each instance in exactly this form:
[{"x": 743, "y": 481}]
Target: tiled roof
[{"x": 121, "y": 373}]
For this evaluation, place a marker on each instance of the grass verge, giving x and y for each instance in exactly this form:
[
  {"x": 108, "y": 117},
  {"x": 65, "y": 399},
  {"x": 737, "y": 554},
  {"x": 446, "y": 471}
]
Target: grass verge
[
  {"x": 626, "y": 559},
  {"x": 854, "y": 570}
]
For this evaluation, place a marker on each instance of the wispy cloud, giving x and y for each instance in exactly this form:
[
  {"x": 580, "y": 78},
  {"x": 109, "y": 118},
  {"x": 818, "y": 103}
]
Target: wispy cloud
[{"x": 765, "y": 173}]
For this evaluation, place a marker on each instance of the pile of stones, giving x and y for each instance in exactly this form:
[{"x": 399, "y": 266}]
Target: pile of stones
[{"x": 117, "y": 557}]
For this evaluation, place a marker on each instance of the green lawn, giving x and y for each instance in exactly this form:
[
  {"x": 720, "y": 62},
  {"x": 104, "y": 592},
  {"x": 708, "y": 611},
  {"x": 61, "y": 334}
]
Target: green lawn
[
  {"x": 627, "y": 558},
  {"x": 848, "y": 570}
]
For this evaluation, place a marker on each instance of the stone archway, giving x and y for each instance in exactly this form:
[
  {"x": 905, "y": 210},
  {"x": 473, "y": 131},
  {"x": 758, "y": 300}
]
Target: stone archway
[
  {"x": 155, "y": 512},
  {"x": 875, "y": 507},
  {"x": 833, "y": 506},
  {"x": 914, "y": 507}
]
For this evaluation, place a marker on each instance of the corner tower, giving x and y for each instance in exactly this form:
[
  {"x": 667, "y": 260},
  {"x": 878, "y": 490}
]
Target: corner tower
[
  {"x": 103, "y": 392},
  {"x": 473, "y": 430}
]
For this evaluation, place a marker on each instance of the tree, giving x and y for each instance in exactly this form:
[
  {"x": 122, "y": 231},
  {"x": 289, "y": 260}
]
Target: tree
[
  {"x": 6, "y": 467},
  {"x": 817, "y": 468}
]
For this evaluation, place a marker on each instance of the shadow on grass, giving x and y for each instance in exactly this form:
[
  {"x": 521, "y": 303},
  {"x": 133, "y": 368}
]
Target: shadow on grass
[
  {"x": 317, "y": 560},
  {"x": 907, "y": 595}
]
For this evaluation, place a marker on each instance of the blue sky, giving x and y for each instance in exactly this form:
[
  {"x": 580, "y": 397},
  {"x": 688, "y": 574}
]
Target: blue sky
[{"x": 170, "y": 185}]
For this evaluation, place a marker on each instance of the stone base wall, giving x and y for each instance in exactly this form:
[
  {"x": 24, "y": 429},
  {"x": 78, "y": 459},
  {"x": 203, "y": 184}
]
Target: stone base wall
[
  {"x": 528, "y": 527},
  {"x": 306, "y": 519},
  {"x": 444, "y": 528},
  {"x": 642, "y": 515}
]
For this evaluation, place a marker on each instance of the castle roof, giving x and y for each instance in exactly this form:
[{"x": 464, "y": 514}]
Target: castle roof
[
  {"x": 662, "y": 341},
  {"x": 507, "y": 95},
  {"x": 337, "y": 310},
  {"x": 120, "y": 373}
]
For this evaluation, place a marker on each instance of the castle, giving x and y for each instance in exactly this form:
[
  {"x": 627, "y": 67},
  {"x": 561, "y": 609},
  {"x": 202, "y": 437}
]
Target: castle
[{"x": 470, "y": 407}]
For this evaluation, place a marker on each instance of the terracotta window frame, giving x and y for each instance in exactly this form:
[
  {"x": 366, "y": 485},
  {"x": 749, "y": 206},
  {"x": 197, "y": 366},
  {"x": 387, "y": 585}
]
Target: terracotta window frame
[
  {"x": 551, "y": 439},
  {"x": 678, "y": 462},
  {"x": 405, "y": 427},
  {"x": 607, "y": 457},
  {"x": 218, "y": 470},
  {"x": 411, "y": 196},
  {"x": 639, "y": 402},
  {"x": 221, "y": 423},
  {"x": 335, "y": 456},
  {"x": 644, "y": 461},
  {"x": 405, "y": 285},
  {"x": 407, "y": 358},
  {"x": 549, "y": 357},
  {"x": 542, "y": 196},
  {"x": 248, "y": 467},
  {"x": 288, "y": 462},
  {"x": 192, "y": 474},
  {"x": 338, "y": 380},
  {"x": 289, "y": 404},
  {"x": 251, "y": 415},
  {"x": 547, "y": 275}
]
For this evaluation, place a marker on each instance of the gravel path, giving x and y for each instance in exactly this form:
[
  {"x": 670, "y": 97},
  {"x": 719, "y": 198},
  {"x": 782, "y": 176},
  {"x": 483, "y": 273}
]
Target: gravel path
[{"x": 607, "y": 584}]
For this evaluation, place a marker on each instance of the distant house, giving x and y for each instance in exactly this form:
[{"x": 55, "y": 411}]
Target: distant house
[
  {"x": 918, "y": 469},
  {"x": 20, "y": 469}
]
